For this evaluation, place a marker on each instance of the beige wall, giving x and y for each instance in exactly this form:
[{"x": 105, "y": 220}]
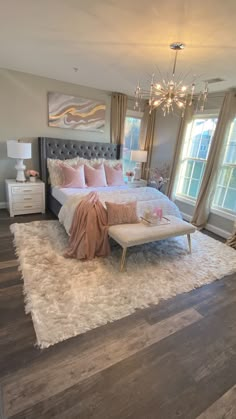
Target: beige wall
[
  {"x": 23, "y": 114},
  {"x": 166, "y": 131}
]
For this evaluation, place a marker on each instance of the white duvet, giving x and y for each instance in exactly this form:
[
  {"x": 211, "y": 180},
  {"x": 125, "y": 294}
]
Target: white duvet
[{"x": 147, "y": 198}]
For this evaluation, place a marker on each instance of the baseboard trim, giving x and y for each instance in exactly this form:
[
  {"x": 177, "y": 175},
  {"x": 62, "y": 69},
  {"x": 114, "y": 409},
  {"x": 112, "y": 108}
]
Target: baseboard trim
[
  {"x": 3, "y": 205},
  {"x": 222, "y": 233},
  {"x": 186, "y": 217},
  {"x": 216, "y": 230}
]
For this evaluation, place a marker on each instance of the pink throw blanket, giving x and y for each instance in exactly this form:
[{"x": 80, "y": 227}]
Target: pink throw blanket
[{"x": 89, "y": 230}]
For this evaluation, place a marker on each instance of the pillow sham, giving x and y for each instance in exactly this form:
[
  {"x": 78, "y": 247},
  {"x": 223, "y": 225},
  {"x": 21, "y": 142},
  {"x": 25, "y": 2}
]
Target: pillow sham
[
  {"x": 73, "y": 177},
  {"x": 95, "y": 176},
  {"x": 55, "y": 171},
  {"x": 114, "y": 175},
  {"x": 122, "y": 213}
]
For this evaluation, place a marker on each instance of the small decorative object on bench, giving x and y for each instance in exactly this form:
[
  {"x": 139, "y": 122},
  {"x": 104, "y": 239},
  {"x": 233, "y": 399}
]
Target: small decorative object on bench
[
  {"x": 153, "y": 217},
  {"x": 32, "y": 175}
]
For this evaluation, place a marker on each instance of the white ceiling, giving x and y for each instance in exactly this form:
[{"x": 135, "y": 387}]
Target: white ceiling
[{"x": 116, "y": 42}]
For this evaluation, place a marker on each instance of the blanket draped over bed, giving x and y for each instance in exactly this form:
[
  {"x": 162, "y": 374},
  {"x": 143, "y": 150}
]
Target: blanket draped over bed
[
  {"x": 147, "y": 198},
  {"x": 89, "y": 230}
]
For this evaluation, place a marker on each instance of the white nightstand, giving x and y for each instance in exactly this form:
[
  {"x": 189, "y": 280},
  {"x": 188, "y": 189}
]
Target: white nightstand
[
  {"x": 25, "y": 198},
  {"x": 136, "y": 183}
]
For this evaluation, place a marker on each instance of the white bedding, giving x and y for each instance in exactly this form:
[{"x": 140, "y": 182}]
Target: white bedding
[
  {"x": 62, "y": 194},
  {"x": 147, "y": 198}
]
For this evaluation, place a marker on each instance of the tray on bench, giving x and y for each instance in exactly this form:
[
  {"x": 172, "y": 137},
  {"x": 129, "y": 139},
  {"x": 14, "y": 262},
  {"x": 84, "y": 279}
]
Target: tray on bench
[{"x": 153, "y": 223}]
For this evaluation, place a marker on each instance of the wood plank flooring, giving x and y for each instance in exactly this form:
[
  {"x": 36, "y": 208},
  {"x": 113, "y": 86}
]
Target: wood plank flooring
[
  {"x": 224, "y": 407},
  {"x": 174, "y": 360}
]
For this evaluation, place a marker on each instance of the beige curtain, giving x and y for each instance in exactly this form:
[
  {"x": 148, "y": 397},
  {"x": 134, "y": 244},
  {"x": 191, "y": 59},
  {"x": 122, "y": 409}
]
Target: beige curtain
[
  {"x": 118, "y": 113},
  {"x": 205, "y": 196},
  {"x": 187, "y": 118},
  {"x": 147, "y": 137},
  {"x": 231, "y": 241}
]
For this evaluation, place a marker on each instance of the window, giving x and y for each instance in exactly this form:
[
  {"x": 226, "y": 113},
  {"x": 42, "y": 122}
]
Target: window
[
  {"x": 194, "y": 156},
  {"x": 131, "y": 140},
  {"x": 225, "y": 194}
]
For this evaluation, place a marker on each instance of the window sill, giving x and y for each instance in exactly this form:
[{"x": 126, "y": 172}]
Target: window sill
[
  {"x": 185, "y": 200},
  {"x": 224, "y": 214}
]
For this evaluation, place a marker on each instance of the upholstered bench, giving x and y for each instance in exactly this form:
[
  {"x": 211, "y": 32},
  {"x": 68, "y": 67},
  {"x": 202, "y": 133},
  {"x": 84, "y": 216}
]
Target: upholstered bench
[{"x": 128, "y": 235}]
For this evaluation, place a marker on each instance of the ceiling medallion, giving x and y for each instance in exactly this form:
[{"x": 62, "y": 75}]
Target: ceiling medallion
[{"x": 172, "y": 94}]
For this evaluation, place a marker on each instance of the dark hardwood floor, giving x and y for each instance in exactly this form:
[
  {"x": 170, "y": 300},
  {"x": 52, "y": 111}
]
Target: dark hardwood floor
[{"x": 174, "y": 360}]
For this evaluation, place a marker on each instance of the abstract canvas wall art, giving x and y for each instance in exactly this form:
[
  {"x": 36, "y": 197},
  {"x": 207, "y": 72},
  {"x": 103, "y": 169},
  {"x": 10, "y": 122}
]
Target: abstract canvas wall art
[{"x": 72, "y": 112}]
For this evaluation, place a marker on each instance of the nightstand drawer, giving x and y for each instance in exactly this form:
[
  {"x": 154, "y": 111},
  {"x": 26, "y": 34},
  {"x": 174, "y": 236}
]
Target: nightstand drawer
[
  {"x": 20, "y": 206},
  {"x": 24, "y": 197},
  {"x": 26, "y": 189}
]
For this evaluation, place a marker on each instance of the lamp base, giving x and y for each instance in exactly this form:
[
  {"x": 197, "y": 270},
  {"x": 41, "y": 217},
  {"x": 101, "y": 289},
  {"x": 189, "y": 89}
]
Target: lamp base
[
  {"x": 137, "y": 171},
  {"x": 20, "y": 168}
]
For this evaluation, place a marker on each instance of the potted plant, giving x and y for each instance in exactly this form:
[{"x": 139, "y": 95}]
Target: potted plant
[
  {"x": 32, "y": 175},
  {"x": 130, "y": 175}
]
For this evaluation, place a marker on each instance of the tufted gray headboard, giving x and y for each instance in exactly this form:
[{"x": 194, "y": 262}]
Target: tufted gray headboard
[{"x": 55, "y": 148}]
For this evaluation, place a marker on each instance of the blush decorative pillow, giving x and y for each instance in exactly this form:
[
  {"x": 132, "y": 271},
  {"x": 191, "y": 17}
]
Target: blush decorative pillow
[
  {"x": 73, "y": 177},
  {"x": 95, "y": 176},
  {"x": 55, "y": 171},
  {"x": 122, "y": 213},
  {"x": 114, "y": 175}
]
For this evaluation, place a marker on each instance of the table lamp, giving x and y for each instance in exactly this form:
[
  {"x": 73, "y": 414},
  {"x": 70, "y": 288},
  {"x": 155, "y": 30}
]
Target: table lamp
[
  {"x": 19, "y": 151},
  {"x": 140, "y": 156}
]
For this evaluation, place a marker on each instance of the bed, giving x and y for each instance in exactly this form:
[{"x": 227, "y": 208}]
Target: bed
[
  {"x": 56, "y": 148},
  {"x": 63, "y": 201}
]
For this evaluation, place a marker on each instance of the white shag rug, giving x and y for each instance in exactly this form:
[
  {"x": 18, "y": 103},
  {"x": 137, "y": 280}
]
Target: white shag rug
[{"x": 67, "y": 297}]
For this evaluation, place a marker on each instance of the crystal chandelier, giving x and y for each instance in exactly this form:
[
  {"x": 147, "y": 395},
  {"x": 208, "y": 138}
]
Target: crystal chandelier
[{"x": 172, "y": 94}]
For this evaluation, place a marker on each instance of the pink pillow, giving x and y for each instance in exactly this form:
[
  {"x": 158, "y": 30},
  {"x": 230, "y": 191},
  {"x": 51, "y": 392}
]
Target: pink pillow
[
  {"x": 95, "y": 176},
  {"x": 114, "y": 175},
  {"x": 122, "y": 213},
  {"x": 73, "y": 176}
]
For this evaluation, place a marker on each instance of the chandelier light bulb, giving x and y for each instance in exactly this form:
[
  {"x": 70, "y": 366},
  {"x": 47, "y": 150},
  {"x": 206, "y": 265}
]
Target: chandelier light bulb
[{"x": 170, "y": 94}]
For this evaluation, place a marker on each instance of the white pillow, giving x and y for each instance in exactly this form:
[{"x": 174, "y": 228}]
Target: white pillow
[
  {"x": 110, "y": 163},
  {"x": 95, "y": 162}
]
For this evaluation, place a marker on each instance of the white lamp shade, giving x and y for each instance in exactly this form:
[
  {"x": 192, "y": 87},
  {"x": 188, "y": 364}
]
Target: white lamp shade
[
  {"x": 139, "y": 156},
  {"x": 18, "y": 150}
]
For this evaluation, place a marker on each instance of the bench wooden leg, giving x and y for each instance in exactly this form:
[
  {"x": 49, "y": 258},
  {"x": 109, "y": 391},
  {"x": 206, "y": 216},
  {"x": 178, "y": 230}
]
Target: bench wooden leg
[
  {"x": 122, "y": 262},
  {"x": 189, "y": 243}
]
